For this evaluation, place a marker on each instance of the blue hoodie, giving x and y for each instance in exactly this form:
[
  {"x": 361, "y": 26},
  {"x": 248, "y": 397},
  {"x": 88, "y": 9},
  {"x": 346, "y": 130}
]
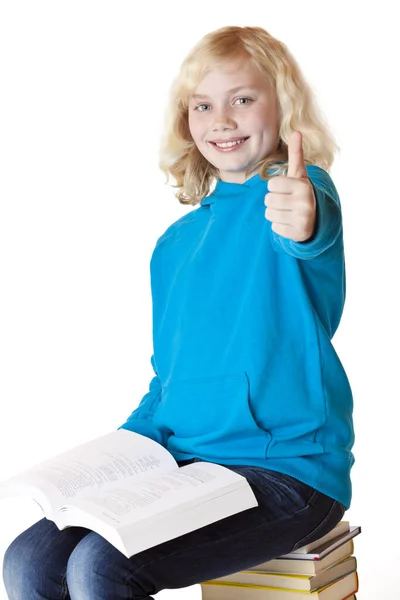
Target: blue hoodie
[{"x": 245, "y": 371}]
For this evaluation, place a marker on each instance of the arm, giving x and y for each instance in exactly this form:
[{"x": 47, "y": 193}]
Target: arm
[{"x": 141, "y": 419}]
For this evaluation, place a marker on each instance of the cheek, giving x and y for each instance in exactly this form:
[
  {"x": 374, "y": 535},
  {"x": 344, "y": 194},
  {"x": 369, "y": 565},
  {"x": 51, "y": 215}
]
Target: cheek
[
  {"x": 194, "y": 127},
  {"x": 264, "y": 119}
]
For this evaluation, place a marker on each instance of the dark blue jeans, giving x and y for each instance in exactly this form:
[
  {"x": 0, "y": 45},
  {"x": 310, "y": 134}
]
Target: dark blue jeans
[{"x": 77, "y": 564}]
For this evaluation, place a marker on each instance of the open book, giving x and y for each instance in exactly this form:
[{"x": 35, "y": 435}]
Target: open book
[{"x": 130, "y": 490}]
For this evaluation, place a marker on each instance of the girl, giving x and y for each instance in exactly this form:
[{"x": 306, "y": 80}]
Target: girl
[{"x": 248, "y": 291}]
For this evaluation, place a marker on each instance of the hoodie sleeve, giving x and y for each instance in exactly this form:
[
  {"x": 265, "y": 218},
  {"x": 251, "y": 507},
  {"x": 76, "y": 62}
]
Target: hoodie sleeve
[
  {"x": 329, "y": 220},
  {"x": 141, "y": 419}
]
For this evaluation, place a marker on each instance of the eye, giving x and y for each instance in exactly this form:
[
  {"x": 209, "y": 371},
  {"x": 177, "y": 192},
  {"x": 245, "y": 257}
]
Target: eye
[
  {"x": 249, "y": 99},
  {"x": 241, "y": 98},
  {"x": 199, "y": 105}
]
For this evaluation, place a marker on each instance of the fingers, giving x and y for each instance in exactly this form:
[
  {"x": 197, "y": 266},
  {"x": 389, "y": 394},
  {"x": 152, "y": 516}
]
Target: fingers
[{"x": 296, "y": 166}]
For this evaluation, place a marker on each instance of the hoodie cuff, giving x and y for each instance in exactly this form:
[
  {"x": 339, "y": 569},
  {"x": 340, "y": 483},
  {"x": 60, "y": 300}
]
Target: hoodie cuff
[{"x": 328, "y": 228}]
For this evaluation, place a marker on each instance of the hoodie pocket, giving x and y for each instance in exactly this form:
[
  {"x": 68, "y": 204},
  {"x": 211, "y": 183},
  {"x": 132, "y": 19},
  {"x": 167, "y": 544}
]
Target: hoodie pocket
[{"x": 213, "y": 412}]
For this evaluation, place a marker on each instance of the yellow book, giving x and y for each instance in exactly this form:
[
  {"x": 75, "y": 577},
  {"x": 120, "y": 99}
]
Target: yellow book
[
  {"x": 308, "y": 583},
  {"x": 339, "y": 590}
]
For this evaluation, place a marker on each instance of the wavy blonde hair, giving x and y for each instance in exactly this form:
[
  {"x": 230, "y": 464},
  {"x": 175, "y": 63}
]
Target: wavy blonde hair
[{"x": 179, "y": 155}]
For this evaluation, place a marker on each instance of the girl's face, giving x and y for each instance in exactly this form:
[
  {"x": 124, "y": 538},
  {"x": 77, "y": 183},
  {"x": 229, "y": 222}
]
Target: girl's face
[{"x": 217, "y": 112}]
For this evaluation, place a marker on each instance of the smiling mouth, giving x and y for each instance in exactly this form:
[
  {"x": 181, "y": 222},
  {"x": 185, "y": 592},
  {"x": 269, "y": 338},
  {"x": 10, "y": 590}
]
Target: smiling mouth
[
  {"x": 243, "y": 139},
  {"x": 230, "y": 144}
]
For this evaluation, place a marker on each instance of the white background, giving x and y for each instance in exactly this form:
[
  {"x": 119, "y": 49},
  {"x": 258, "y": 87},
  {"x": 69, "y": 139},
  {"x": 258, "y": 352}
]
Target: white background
[{"x": 83, "y": 91}]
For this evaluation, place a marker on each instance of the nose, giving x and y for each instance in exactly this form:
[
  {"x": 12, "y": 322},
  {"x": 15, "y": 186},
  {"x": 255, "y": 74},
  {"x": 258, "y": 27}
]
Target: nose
[{"x": 223, "y": 119}]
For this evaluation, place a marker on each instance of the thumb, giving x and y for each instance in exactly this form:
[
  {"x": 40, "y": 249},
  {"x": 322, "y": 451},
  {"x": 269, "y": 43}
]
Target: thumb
[{"x": 296, "y": 166}]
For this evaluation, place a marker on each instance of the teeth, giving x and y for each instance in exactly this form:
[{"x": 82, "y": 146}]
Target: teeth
[{"x": 230, "y": 144}]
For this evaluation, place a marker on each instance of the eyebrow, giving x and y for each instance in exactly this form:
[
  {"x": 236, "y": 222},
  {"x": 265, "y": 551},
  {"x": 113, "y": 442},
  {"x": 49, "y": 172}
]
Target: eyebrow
[{"x": 235, "y": 89}]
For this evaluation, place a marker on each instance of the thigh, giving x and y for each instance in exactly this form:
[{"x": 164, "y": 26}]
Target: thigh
[
  {"x": 288, "y": 512},
  {"x": 35, "y": 563}
]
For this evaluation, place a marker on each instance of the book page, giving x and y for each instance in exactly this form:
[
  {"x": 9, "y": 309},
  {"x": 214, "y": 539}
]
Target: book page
[
  {"x": 115, "y": 457},
  {"x": 150, "y": 512},
  {"x": 134, "y": 501}
]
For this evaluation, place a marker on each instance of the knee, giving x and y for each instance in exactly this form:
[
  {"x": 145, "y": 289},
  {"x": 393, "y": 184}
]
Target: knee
[
  {"x": 80, "y": 566},
  {"x": 19, "y": 568},
  {"x": 29, "y": 560},
  {"x": 92, "y": 567},
  {"x": 96, "y": 569}
]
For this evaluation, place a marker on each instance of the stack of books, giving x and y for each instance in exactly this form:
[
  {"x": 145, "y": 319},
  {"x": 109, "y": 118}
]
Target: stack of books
[{"x": 325, "y": 569}]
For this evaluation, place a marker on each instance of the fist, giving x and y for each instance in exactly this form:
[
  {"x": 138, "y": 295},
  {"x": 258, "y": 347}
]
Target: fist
[{"x": 291, "y": 204}]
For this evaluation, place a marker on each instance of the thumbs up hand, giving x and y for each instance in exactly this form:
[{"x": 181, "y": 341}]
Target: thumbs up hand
[{"x": 291, "y": 204}]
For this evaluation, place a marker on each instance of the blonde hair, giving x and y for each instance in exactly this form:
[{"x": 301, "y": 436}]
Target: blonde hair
[{"x": 179, "y": 155}]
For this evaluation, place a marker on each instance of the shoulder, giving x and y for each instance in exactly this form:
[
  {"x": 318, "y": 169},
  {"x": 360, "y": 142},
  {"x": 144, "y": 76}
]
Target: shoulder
[{"x": 177, "y": 226}]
